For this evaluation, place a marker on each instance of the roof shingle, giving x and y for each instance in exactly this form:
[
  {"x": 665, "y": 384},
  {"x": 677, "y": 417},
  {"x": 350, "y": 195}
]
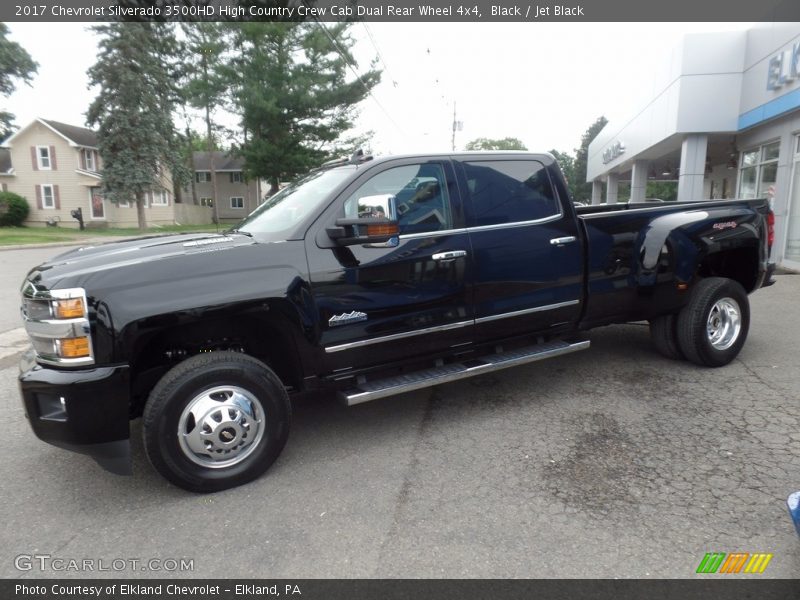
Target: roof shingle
[
  {"x": 79, "y": 135},
  {"x": 223, "y": 161}
]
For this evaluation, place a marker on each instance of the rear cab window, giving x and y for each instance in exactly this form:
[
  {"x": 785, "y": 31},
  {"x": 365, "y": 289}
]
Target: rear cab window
[{"x": 509, "y": 191}]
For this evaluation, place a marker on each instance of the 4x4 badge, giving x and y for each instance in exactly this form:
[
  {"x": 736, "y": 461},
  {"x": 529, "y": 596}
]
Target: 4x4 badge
[{"x": 347, "y": 318}]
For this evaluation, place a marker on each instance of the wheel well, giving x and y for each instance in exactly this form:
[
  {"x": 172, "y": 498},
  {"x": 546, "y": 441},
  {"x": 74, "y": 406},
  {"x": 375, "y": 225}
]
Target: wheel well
[
  {"x": 268, "y": 341},
  {"x": 739, "y": 264}
]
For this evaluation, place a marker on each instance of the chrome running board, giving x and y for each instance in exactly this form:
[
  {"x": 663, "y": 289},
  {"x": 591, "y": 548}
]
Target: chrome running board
[{"x": 390, "y": 386}]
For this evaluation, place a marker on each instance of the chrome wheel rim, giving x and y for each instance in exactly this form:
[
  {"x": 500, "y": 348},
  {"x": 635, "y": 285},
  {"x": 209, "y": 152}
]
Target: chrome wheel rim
[
  {"x": 724, "y": 323},
  {"x": 221, "y": 426}
]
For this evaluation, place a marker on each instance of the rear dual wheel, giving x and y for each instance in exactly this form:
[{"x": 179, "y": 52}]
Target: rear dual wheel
[
  {"x": 711, "y": 329},
  {"x": 713, "y": 326},
  {"x": 663, "y": 332}
]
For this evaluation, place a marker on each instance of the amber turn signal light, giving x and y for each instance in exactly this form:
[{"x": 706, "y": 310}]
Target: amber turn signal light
[
  {"x": 74, "y": 347},
  {"x": 71, "y": 308},
  {"x": 382, "y": 229}
]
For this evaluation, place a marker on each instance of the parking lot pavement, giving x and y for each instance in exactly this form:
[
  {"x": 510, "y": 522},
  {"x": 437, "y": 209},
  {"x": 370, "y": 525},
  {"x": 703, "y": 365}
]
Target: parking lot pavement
[{"x": 613, "y": 462}]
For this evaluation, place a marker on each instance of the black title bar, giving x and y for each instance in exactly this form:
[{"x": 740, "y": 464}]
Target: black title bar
[
  {"x": 402, "y": 589},
  {"x": 401, "y": 10}
]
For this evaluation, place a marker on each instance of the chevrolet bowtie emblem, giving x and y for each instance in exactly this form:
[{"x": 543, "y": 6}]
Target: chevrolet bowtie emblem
[{"x": 347, "y": 318}]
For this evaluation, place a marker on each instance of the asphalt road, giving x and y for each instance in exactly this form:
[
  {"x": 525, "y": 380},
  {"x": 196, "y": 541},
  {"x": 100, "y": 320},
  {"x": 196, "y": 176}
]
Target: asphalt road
[{"x": 613, "y": 462}]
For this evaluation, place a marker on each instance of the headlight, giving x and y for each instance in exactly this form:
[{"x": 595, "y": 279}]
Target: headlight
[{"x": 57, "y": 322}]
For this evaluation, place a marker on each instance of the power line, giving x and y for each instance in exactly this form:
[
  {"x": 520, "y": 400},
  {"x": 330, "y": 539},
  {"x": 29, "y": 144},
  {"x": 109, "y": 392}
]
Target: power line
[
  {"x": 378, "y": 51},
  {"x": 353, "y": 69}
]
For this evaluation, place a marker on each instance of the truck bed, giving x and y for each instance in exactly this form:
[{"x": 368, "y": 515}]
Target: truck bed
[
  {"x": 638, "y": 254},
  {"x": 636, "y": 206}
]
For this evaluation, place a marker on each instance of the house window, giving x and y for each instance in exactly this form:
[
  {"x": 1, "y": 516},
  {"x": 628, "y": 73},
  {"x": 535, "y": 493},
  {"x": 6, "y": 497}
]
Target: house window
[
  {"x": 237, "y": 202},
  {"x": 43, "y": 158},
  {"x": 48, "y": 196},
  {"x": 206, "y": 202},
  {"x": 88, "y": 159},
  {"x": 202, "y": 177},
  {"x": 161, "y": 198},
  {"x": 236, "y": 177},
  {"x": 759, "y": 171}
]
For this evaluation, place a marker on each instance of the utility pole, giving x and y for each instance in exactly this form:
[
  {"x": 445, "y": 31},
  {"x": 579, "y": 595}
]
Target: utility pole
[
  {"x": 453, "y": 139},
  {"x": 457, "y": 126}
]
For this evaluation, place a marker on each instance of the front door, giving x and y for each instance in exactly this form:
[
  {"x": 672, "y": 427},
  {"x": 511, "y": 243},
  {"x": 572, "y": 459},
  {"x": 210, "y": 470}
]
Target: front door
[
  {"x": 97, "y": 209},
  {"x": 379, "y": 303},
  {"x": 527, "y": 253}
]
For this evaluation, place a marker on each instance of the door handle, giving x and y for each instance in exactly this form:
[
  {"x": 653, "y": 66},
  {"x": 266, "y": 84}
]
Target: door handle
[
  {"x": 563, "y": 240},
  {"x": 450, "y": 255}
]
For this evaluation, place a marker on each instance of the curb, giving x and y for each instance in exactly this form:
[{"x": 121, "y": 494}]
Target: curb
[
  {"x": 34, "y": 246},
  {"x": 13, "y": 342}
]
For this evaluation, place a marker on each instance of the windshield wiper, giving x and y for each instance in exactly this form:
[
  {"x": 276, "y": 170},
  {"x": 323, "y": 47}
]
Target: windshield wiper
[{"x": 239, "y": 231}]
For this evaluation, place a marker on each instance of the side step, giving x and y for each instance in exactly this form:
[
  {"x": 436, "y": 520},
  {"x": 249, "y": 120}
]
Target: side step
[{"x": 380, "y": 388}]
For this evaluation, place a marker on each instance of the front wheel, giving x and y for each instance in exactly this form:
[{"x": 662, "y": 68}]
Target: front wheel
[
  {"x": 713, "y": 326},
  {"x": 216, "y": 421}
]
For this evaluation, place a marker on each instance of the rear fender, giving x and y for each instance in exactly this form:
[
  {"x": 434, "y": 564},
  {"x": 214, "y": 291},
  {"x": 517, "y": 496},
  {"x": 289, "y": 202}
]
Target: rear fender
[{"x": 691, "y": 236}]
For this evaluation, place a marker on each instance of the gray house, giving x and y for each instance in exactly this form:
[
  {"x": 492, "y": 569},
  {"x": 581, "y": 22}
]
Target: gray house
[{"x": 236, "y": 196}]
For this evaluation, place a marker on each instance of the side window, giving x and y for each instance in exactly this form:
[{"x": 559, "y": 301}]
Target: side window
[
  {"x": 420, "y": 193},
  {"x": 510, "y": 191}
]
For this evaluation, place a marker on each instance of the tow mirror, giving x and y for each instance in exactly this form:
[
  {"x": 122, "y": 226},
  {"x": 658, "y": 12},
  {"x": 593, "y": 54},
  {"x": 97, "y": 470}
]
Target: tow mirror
[{"x": 376, "y": 223}]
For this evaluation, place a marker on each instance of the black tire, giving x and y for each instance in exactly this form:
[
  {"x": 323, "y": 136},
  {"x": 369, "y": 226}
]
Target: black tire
[
  {"x": 664, "y": 333},
  {"x": 180, "y": 388},
  {"x": 694, "y": 337}
]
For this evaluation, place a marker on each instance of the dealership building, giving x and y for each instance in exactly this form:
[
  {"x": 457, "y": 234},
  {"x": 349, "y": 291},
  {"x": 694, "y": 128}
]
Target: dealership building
[{"x": 723, "y": 120}]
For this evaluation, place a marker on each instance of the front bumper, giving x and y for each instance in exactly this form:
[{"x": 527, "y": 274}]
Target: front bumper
[{"x": 83, "y": 410}]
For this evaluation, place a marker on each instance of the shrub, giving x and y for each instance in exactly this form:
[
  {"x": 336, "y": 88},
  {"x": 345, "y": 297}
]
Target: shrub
[{"x": 13, "y": 209}]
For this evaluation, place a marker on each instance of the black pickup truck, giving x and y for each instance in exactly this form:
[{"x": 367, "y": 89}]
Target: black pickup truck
[{"x": 369, "y": 278}]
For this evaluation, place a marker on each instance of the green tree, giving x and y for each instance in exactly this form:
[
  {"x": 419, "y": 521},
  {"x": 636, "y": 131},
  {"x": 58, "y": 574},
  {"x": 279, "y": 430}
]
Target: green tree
[
  {"x": 580, "y": 188},
  {"x": 509, "y": 143},
  {"x": 137, "y": 77},
  {"x": 15, "y": 65},
  {"x": 567, "y": 164},
  {"x": 207, "y": 82},
  {"x": 296, "y": 93},
  {"x": 666, "y": 190},
  {"x": 199, "y": 142}
]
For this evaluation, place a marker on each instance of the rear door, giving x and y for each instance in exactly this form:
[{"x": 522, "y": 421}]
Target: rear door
[
  {"x": 378, "y": 304},
  {"x": 527, "y": 254}
]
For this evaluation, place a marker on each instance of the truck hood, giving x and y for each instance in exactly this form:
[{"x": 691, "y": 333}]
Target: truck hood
[{"x": 87, "y": 260}]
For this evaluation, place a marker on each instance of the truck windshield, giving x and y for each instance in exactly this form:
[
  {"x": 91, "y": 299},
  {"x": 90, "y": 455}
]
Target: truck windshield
[{"x": 281, "y": 213}]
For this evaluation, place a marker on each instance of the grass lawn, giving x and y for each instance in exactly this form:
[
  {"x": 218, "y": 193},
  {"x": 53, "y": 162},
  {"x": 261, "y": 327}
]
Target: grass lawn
[{"x": 12, "y": 236}]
